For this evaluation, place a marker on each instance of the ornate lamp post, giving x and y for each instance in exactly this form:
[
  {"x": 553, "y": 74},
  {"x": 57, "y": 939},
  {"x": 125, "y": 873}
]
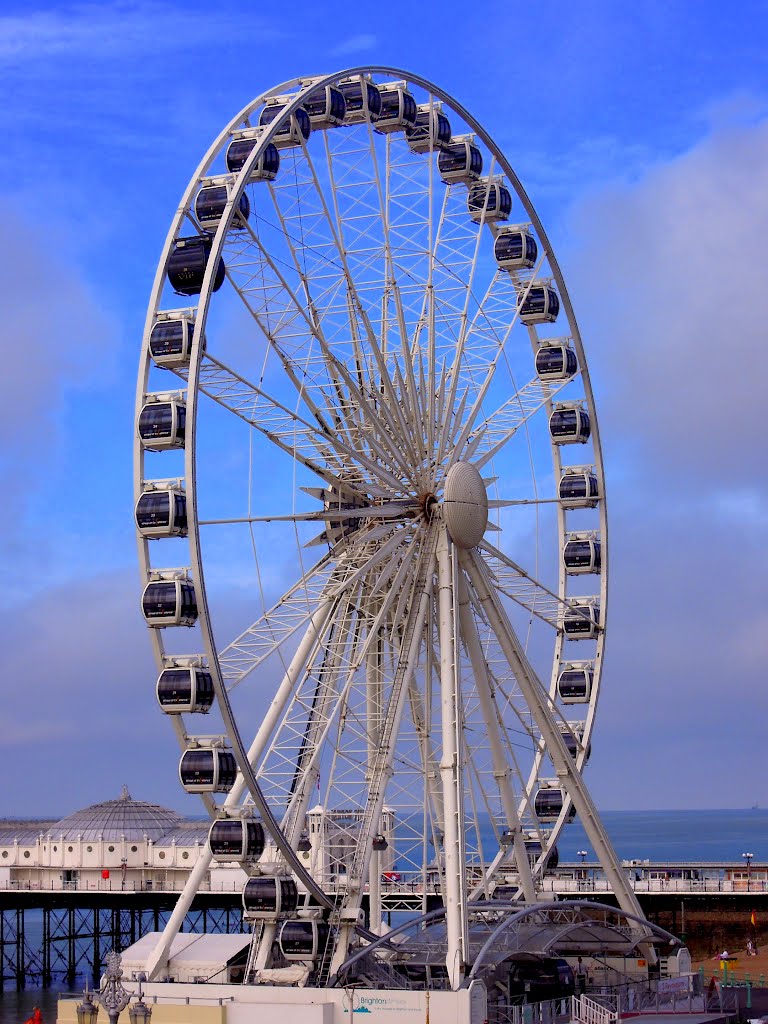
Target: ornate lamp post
[
  {"x": 139, "y": 1012},
  {"x": 112, "y": 995},
  {"x": 748, "y": 858},
  {"x": 87, "y": 1012}
]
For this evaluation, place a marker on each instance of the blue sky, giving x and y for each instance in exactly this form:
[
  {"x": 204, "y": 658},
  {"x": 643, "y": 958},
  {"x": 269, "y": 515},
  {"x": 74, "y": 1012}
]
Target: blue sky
[{"x": 641, "y": 134}]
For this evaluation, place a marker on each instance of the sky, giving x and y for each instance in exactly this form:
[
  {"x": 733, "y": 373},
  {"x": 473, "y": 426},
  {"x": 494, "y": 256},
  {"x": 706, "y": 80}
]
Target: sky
[{"x": 640, "y": 133}]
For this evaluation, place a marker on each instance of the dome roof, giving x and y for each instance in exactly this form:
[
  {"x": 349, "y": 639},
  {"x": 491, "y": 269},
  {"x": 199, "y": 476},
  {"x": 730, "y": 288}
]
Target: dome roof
[{"x": 115, "y": 819}]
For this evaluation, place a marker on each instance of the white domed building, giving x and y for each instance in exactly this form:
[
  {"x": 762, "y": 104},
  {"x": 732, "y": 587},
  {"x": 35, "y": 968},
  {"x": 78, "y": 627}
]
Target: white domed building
[{"x": 116, "y": 844}]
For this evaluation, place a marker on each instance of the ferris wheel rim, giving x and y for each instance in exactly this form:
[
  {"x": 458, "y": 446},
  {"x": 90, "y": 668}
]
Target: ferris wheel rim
[{"x": 204, "y": 300}]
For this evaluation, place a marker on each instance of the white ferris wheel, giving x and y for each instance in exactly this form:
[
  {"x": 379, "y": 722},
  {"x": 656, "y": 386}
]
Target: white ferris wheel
[{"x": 371, "y": 516}]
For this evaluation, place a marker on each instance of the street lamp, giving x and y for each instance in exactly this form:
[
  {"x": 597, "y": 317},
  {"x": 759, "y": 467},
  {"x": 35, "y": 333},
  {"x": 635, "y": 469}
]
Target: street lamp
[
  {"x": 139, "y": 1012},
  {"x": 748, "y": 858},
  {"x": 582, "y": 854},
  {"x": 112, "y": 995},
  {"x": 86, "y": 1011}
]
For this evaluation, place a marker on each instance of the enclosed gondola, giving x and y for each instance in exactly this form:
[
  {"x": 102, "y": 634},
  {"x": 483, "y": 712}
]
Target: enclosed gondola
[
  {"x": 578, "y": 488},
  {"x": 207, "y": 770},
  {"x": 268, "y": 897},
  {"x": 267, "y": 164},
  {"x": 363, "y": 100},
  {"x": 185, "y": 690},
  {"x": 211, "y": 202},
  {"x": 582, "y": 555},
  {"x": 431, "y": 130},
  {"x": 162, "y": 512},
  {"x": 574, "y": 683},
  {"x": 460, "y": 161},
  {"x": 170, "y": 340},
  {"x": 169, "y": 603},
  {"x": 162, "y": 424},
  {"x": 556, "y": 360},
  {"x": 489, "y": 201},
  {"x": 293, "y": 129},
  {"x": 569, "y": 424},
  {"x": 581, "y": 620},
  {"x": 188, "y": 262},
  {"x": 303, "y": 940},
  {"x": 515, "y": 248},
  {"x": 540, "y": 305},
  {"x": 326, "y": 107},
  {"x": 573, "y": 743},
  {"x": 533, "y": 848},
  {"x": 548, "y": 805},
  {"x": 398, "y": 108},
  {"x": 236, "y": 839}
]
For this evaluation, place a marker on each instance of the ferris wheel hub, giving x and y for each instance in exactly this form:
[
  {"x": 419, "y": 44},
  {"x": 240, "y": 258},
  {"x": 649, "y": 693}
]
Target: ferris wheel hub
[{"x": 465, "y": 505}]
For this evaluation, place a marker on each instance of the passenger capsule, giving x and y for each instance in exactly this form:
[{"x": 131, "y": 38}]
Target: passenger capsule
[
  {"x": 460, "y": 160},
  {"x": 169, "y": 603},
  {"x": 170, "y": 340},
  {"x": 209, "y": 207},
  {"x": 363, "y": 101},
  {"x": 326, "y": 107},
  {"x": 267, "y": 164},
  {"x": 186, "y": 690},
  {"x": 207, "y": 770},
  {"x": 578, "y": 488},
  {"x": 582, "y": 620},
  {"x": 533, "y": 849},
  {"x": 267, "y": 897},
  {"x": 556, "y": 361},
  {"x": 582, "y": 555},
  {"x": 548, "y": 804},
  {"x": 515, "y": 249},
  {"x": 489, "y": 201},
  {"x": 574, "y": 684},
  {"x": 398, "y": 108},
  {"x": 505, "y": 892},
  {"x": 236, "y": 839},
  {"x": 540, "y": 306},
  {"x": 162, "y": 513},
  {"x": 569, "y": 424},
  {"x": 187, "y": 264},
  {"x": 572, "y": 742},
  {"x": 293, "y": 130},
  {"x": 303, "y": 940},
  {"x": 162, "y": 425},
  {"x": 431, "y": 130}
]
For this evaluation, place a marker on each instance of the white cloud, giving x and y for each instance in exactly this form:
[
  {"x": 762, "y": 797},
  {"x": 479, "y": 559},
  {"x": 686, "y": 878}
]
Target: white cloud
[{"x": 354, "y": 44}]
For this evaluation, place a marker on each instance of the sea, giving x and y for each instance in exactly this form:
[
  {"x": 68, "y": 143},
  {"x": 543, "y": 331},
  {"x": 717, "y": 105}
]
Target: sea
[{"x": 662, "y": 836}]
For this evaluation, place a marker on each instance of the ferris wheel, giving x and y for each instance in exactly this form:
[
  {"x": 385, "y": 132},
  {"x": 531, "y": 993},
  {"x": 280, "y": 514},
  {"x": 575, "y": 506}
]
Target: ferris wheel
[{"x": 371, "y": 515}]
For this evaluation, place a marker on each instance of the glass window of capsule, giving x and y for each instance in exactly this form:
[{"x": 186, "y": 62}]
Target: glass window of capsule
[
  {"x": 267, "y": 163},
  {"x": 573, "y": 743},
  {"x": 187, "y": 265},
  {"x": 533, "y": 848},
  {"x": 236, "y": 839},
  {"x": 515, "y": 249},
  {"x": 398, "y": 108},
  {"x": 581, "y": 621},
  {"x": 569, "y": 425},
  {"x": 210, "y": 203},
  {"x": 556, "y": 362},
  {"x": 326, "y": 107},
  {"x": 207, "y": 770},
  {"x": 582, "y": 555},
  {"x": 431, "y": 129},
  {"x": 489, "y": 201},
  {"x": 162, "y": 513},
  {"x": 269, "y": 897},
  {"x": 460, "y": 161},
  {"x": 169, "y": 603},
  {"x": 574, "y": 684},
  {"x": 162, "y": 425},
  {"x": 578, "y": 489},
  {"x": 303, "y": 940},
  {"x": 293, "y": 130},
  {"x": 363, "y": 101},
  {"x": 540, "y": 306},
  {"x": 185, "y": 691}
]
